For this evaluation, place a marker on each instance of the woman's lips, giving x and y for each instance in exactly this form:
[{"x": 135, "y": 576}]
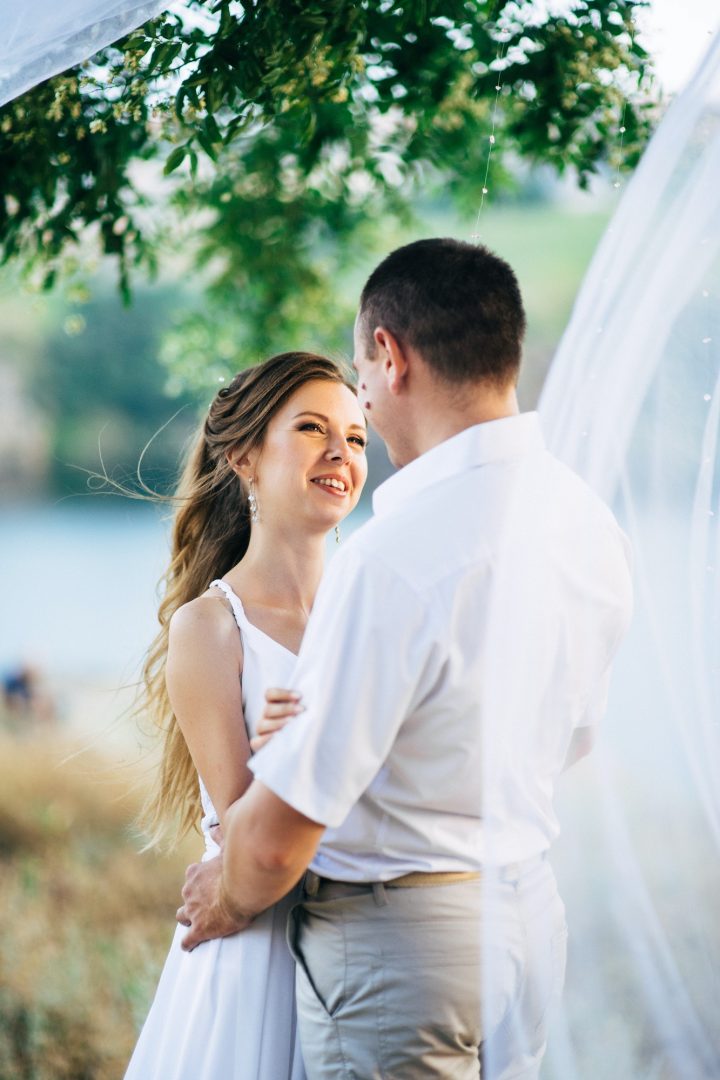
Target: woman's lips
[{"x": 338, "y": 488}]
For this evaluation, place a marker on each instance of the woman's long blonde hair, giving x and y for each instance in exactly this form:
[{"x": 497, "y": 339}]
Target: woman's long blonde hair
[{"x": 211, "y": 532}]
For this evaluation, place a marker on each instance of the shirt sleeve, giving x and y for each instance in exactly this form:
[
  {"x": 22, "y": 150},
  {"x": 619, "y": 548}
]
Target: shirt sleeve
[{"x": 366, "y": 661}]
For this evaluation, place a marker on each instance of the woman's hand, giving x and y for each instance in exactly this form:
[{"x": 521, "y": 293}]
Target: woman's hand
[{"x": 280, "y": 706}]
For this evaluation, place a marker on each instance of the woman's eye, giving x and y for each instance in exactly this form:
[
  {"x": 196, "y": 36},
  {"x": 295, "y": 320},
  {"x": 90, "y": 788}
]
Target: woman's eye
[{"x": 312, "y": 425}]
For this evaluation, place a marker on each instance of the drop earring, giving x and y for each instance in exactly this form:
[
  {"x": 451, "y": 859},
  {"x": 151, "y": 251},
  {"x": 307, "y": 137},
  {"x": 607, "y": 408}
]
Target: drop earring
[
  {"x": 337, "y": 534},
  {"x": 252, "y": 501}
]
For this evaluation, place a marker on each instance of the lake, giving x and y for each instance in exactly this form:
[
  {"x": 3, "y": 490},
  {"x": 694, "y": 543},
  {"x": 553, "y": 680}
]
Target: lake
[{"x": 79, "y": 582}]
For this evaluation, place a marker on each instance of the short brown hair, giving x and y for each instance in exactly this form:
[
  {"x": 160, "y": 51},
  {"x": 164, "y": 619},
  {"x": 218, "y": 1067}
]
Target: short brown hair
[{"x": 458, "y": 304}]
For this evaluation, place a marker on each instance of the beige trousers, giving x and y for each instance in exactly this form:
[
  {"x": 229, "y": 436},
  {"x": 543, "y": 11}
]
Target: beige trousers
[{"x": 447, "y": 981}]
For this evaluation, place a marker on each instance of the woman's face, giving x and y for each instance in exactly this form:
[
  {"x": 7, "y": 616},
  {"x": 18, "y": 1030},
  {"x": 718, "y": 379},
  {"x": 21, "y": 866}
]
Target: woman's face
[{"x": 311, "y": 467}]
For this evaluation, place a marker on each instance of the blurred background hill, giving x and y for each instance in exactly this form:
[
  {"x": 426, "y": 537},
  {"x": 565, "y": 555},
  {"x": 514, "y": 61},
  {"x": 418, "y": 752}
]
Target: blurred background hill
[{"x": 86, "y": 378}]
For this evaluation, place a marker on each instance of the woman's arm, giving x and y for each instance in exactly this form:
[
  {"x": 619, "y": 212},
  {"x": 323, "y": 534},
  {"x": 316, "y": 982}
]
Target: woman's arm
[{"x": 203, "y": 673}]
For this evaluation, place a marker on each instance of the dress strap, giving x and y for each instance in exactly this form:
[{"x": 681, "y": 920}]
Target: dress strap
[
  {"x": 234, "y": 601},
  {"x": 247, "y": 628}
]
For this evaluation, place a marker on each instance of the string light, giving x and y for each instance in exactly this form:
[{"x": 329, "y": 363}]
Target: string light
[
  {"x": 707, "y": 340},
  {"x": 622, "y": 129},
  {"x": 491, "y": 143}
]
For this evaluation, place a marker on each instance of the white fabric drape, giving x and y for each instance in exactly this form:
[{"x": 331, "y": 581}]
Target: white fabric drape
[
  {"x": 633, "y": 403},
  {"x": 40, "y": 38}
]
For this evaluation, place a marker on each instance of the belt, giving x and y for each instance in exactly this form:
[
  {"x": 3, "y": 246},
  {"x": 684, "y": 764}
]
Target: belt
[
  {"x": 316, "y": 886},
  {"x": 327, "y": 888}
]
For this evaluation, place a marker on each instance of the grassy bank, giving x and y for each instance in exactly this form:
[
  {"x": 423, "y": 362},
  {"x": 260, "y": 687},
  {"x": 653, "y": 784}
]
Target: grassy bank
[{"x": 86, "y": 919}]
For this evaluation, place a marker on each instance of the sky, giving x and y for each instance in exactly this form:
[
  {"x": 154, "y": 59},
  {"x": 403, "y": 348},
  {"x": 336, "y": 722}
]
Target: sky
[{"x": 677, "y": 33}]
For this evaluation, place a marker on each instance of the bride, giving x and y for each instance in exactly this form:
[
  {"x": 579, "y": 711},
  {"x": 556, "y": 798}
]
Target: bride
[{"x": 280, "y": 461}]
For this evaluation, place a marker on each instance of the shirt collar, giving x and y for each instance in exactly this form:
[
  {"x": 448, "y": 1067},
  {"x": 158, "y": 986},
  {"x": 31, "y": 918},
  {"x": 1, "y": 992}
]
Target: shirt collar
[{"x": 494, "y": 441}]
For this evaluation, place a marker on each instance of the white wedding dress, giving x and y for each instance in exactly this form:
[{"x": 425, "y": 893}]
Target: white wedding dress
[{"x": 226, "y": 1011}]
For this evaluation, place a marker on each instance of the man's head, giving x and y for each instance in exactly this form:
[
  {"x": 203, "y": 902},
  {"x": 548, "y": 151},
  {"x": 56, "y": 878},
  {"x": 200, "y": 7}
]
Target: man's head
[{"x": 445, "y": 311}]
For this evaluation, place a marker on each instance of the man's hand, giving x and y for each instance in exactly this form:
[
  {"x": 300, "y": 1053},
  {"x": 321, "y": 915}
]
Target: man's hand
[
  {"x": 204, "y": 909},
  {"x": 280, "y": 706}
]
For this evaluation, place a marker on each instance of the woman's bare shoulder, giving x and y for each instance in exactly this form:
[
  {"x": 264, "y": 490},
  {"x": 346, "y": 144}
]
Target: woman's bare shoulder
[{"x": 206, "y": 620}]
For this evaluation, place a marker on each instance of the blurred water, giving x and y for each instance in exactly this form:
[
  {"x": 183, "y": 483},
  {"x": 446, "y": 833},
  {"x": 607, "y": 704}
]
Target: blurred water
[
  {"x": 78, "y": 584},
  {"x": 78, "y": 580}
]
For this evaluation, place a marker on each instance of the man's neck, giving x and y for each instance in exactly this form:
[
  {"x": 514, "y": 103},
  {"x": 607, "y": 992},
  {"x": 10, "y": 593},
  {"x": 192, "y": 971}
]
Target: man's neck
[{"x": 440, "y": 420}]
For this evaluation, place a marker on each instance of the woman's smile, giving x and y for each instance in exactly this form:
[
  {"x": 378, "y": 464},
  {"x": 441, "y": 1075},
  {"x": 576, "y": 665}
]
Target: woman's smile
[{"x": 331, "y": 484}]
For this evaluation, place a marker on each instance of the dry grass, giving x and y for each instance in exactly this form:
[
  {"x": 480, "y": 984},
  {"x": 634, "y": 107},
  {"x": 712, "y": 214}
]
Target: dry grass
[{"x": 87, "y": 920}]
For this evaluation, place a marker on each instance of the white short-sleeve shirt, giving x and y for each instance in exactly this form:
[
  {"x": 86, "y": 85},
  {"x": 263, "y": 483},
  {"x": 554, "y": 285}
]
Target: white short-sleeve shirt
[{"x": 455, "y": 644}]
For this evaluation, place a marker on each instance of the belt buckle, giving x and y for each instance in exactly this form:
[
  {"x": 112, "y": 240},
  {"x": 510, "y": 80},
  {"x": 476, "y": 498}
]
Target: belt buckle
[{"x": 311, "y": 883}]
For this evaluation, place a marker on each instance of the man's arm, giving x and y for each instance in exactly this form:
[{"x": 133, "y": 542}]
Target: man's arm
[{"x": 267, "y": 847}]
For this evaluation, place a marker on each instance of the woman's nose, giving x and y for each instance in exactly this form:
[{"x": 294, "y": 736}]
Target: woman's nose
[{"x": 337, "y": 450}]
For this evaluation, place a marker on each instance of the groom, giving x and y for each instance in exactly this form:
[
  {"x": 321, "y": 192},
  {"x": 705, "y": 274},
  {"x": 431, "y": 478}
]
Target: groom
[{"x": 455, "y": 662}]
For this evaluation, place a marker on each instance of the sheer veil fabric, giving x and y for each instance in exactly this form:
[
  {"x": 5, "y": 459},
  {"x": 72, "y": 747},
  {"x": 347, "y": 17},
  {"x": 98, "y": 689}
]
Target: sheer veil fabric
[
  {"x": 45, "y": 37},
  {"x": 632, "y": 402}
]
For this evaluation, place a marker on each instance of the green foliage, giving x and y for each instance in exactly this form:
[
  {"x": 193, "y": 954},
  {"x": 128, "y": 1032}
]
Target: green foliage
[
  {"x": 103, "y": 393},
  {"x": 285, "y": 128}
]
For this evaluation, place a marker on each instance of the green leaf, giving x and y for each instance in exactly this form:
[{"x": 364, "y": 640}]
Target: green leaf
[
  {"x": 163, "y": 56},
  {"x": 175, "y": 158},
  {"x": 207, "y": 145},
  {"x": 212, "y": 130}
]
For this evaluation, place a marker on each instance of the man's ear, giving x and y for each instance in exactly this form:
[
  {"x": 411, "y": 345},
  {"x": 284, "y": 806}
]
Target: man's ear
[{"x": 393, "y": 358}]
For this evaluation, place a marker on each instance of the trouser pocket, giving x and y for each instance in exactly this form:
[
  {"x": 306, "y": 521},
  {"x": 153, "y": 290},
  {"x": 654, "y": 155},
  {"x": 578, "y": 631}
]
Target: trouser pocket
[{"x": 317, "y": 946}]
